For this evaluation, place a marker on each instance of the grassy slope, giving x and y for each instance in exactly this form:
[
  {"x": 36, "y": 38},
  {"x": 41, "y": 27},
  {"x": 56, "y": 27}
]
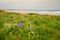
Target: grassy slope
[{"x": 44, "y": 27}]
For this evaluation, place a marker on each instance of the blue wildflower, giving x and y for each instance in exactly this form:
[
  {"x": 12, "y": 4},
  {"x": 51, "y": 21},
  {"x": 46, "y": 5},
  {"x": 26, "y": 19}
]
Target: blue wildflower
[
  {"x": 29, "y": 28},
  {"x": 20, "y": 25}
]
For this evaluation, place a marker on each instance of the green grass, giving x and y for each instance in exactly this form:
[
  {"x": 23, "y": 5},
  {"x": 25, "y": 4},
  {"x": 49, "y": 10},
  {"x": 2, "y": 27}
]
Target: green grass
[{"x": 44, "y": 27}]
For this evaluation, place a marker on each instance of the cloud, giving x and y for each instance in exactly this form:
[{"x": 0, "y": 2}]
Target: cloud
[{"x": 30, "y": 4}]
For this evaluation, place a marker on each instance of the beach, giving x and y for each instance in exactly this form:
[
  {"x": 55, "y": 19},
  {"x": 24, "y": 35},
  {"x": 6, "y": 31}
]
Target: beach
[{"x": 38, "y": 12}]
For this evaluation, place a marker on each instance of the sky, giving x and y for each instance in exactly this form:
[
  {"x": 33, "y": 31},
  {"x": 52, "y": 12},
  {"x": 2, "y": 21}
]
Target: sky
[{"x": 30, "y": 4}]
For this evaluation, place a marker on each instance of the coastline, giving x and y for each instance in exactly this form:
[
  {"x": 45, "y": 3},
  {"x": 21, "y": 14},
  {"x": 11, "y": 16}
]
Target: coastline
[{"x": 57, "y": 13}]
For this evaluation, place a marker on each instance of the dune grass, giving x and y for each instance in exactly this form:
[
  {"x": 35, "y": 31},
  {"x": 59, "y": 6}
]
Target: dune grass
[{"x": 34, "y": 26}]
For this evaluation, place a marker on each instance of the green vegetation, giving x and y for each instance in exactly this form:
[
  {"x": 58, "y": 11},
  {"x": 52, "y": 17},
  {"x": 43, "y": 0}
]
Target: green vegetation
[{"x": 34, "y": 26}]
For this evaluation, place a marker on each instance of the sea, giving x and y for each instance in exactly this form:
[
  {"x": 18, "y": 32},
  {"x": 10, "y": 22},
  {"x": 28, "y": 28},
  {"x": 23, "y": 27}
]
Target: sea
[{"x": 49, "y": 12}]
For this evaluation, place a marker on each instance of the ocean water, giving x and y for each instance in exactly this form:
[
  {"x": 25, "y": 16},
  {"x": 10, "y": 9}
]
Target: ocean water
[{"x": 49, "y": 12}]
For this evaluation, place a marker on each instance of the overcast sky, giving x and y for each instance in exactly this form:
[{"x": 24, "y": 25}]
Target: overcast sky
[{"x": 30, "y": 4}]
